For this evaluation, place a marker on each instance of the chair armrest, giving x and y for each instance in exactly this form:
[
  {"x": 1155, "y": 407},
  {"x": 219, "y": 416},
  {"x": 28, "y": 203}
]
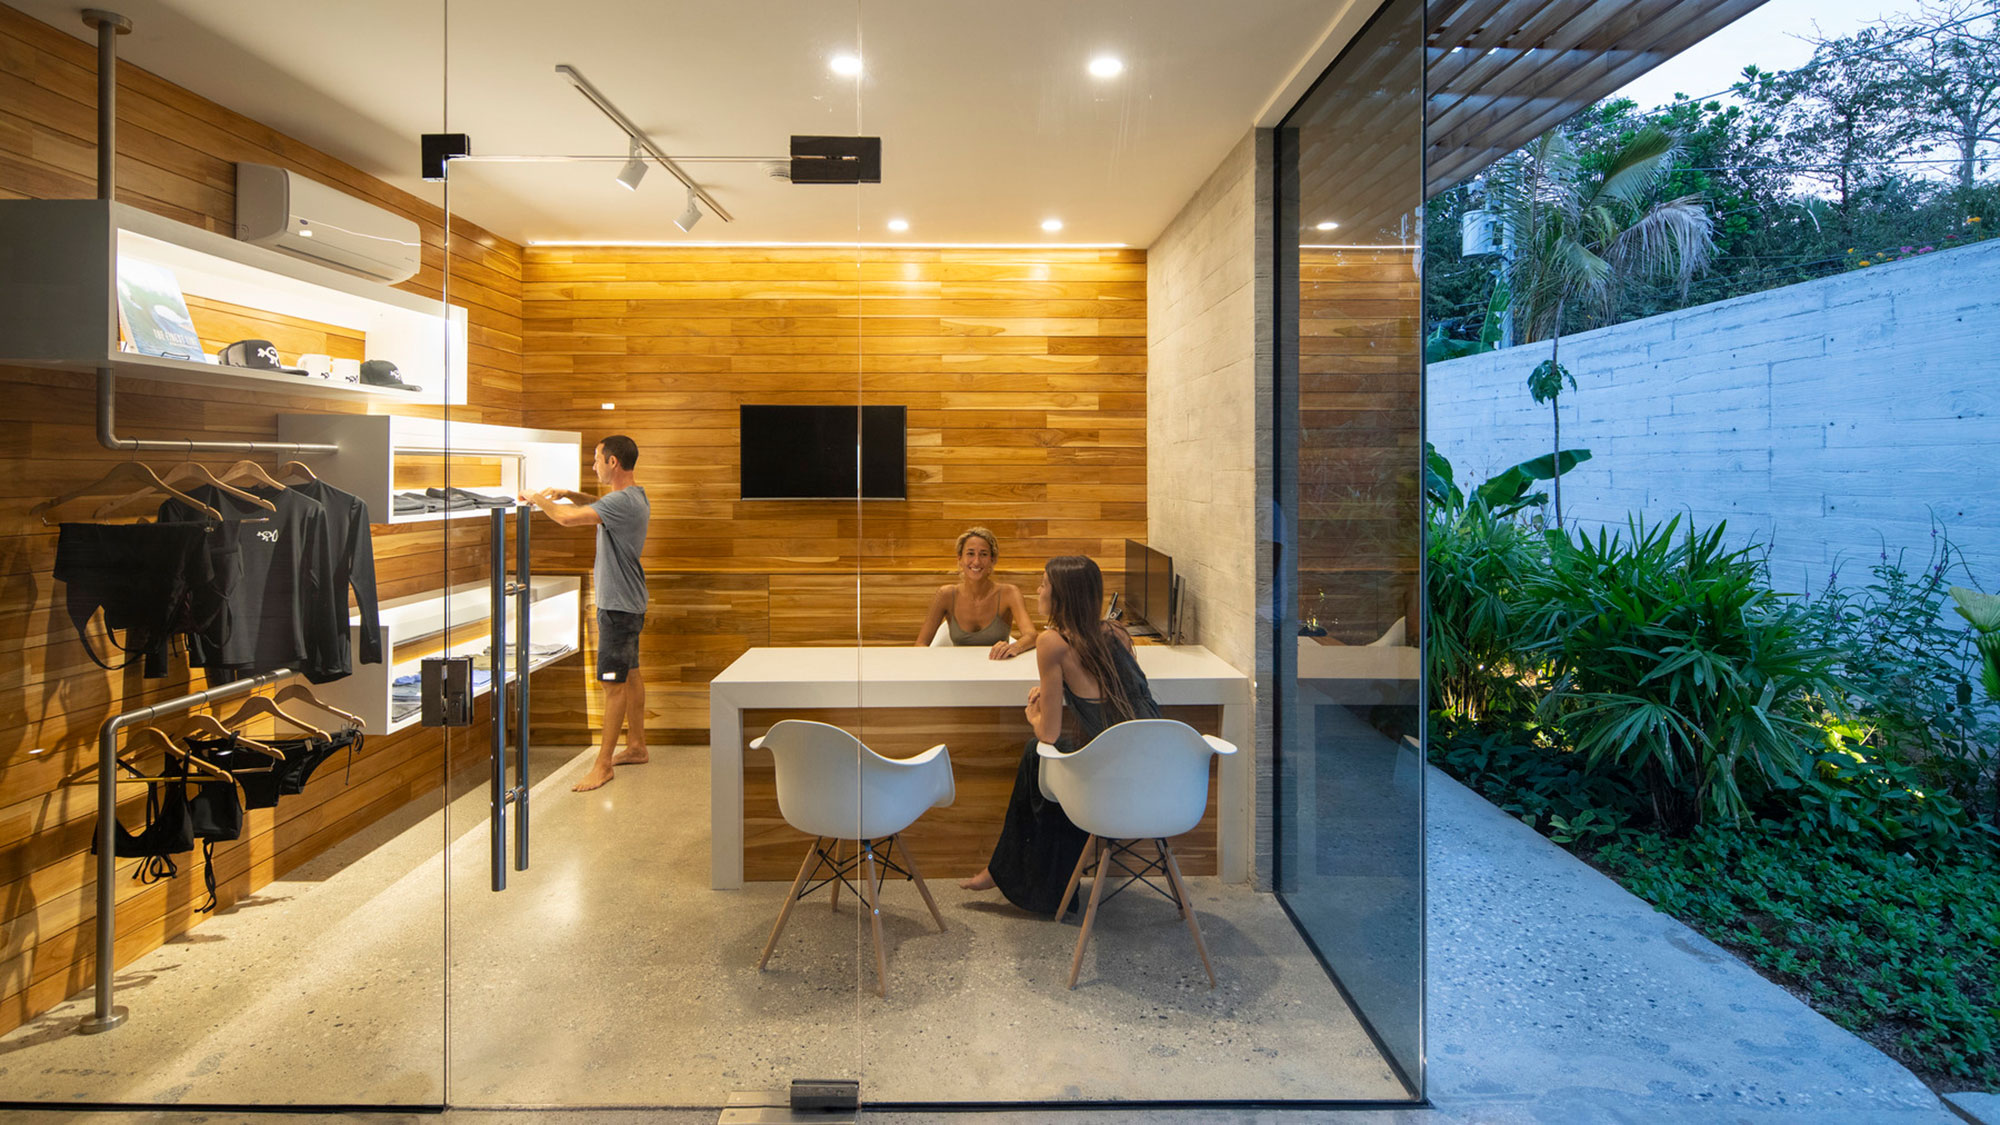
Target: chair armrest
[
  {"x": 757, "y": 743},
  {"x": 922, "y": 759},
  {"x": 1047, "y": 751},
  {"x": 1218, "y": 745}
]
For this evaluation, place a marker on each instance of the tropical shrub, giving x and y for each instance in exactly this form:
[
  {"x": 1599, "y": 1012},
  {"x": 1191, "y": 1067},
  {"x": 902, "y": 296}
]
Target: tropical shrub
[{"x": 1675, "y": 663}]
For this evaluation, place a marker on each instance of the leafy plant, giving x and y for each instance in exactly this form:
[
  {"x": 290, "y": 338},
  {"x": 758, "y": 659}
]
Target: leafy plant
[
  {"x": 1476, "y": 564},
  {"x": 1676, "y": 664},
  {"x": 1506, "y": 493},
  {"x": 1439, "y": 347},
  {"x": 1581, "y": 238}
]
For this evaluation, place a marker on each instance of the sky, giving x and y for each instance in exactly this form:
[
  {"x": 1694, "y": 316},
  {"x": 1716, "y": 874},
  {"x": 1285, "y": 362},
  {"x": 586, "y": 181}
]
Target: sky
[{"x": 1769, "y": 37}]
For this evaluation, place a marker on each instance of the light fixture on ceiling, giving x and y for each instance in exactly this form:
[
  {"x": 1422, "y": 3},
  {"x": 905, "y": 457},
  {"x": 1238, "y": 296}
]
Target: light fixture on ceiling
[
  {"x": 691, "y": 216},
  {"x": 1106, "y": 66},
  {"x": 638, "y": 139},
  {"x": 634, "y": 170},
  {"x": 1052, "y": 225},
  {"x": 1328, "y": 226},
  {"x": 899, "y": 225},
  {"x": 847, "y": 66}
]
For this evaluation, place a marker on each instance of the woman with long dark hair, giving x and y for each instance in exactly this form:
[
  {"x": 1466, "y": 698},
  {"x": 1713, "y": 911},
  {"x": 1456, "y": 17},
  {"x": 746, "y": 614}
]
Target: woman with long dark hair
[{"x": 1086, "y": 664}]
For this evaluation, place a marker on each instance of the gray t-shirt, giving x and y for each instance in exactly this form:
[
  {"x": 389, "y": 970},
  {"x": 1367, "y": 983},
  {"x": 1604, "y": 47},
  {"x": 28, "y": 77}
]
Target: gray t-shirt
[{"x": 621, "y": 537}]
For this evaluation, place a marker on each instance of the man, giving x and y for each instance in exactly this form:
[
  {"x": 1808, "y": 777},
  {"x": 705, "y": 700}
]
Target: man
[{"x": 620, "y": 515}]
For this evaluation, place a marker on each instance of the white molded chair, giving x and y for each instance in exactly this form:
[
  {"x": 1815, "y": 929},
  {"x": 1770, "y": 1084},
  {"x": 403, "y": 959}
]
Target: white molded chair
[
  {"x": 834, "y": 788},
  {"x": 942, "y": 638},
  {"x": 1144, "y": 779}
]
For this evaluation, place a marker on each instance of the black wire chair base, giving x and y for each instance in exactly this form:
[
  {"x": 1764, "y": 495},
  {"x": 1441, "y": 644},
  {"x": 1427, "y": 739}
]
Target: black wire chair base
[
  {"x": 840, "y": 870},
  {"x": 1120, "y": 852}
]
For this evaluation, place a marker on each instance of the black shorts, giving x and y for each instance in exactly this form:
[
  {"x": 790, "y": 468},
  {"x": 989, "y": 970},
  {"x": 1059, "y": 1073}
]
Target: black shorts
[{"x": 617, "y": 643}]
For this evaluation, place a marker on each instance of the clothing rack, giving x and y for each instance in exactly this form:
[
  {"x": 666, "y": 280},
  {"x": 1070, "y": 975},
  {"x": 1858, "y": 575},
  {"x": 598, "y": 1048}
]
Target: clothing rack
[{"x": 106, "y": 1016}]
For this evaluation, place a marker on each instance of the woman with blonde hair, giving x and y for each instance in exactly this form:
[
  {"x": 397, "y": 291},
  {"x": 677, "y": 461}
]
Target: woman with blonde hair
[
  {"x": 976, "y": 609},
  {"x": 1086, "y": 664}
]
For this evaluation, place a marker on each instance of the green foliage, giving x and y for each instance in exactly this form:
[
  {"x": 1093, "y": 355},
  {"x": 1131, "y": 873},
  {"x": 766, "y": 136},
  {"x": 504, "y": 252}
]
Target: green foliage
[
  {"x": 1676, "y": 665},
  {"x": 1477, "y": 561},
  {"x": 1899, "y": 946},
  {"x": 1506, "y": 493},
  {"x": 1983, "y": 611},
  {"x": 1439, "y": 347},
  {"x": 1909, "y": 674},
  {"x": 1546, "y": 381}
]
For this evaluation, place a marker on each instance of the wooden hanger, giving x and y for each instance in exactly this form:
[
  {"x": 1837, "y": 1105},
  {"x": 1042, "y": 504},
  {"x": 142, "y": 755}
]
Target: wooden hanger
[
  {"x": 297, "y": 469},
  {"x": 183, "y": 473},
  {"x": 253, "y": 472},
  {"x": 264, "y": 705},
  {"x": 167, "y": 743},
  {"x": 300, "y": 693},
  {"x": 207, "y": 724},
  {"x": 126, "y": 473}
]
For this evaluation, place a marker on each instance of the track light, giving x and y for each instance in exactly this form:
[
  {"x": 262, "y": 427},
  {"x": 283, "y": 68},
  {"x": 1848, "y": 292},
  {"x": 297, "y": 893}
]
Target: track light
[
  {"x": 634, "y": 170},
  {"x": 691, "y": 216}
]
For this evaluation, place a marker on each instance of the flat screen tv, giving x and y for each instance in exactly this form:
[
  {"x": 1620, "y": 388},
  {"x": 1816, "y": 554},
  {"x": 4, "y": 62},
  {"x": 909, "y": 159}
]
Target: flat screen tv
[
  {"x": 1149, "y": 584},
  {"x": 810, "y": 452}
]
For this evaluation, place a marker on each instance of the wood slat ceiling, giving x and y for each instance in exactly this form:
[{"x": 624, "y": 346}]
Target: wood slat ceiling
[
  {"x": 1502, "y": 72},
  {"x": 1498, "y": 74}
]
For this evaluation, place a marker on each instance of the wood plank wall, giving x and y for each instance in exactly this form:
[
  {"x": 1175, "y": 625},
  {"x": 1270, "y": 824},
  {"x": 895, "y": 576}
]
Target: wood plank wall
[
  {"x": 175, "y": 156},
  {"x": 1024, "y": 371},
  {"x": 1360, "y": 381}
]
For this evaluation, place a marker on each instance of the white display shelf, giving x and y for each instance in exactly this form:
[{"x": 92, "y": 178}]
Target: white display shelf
[
  {"x": 555, "y": 608},
  {"x": 370, "y": 445},
  {"x": 59, "y": 261}
]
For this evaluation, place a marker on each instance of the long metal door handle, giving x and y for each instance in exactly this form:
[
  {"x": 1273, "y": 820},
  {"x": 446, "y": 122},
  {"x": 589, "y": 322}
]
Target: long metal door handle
[
  {"x": 523, "y": 584},
  {"x": 496, "y": 624}
]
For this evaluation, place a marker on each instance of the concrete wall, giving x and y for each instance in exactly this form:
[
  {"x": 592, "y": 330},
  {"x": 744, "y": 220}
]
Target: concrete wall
[
  {"x": 1826, "y": 418},
  {"x": 1208, "y": 400}
]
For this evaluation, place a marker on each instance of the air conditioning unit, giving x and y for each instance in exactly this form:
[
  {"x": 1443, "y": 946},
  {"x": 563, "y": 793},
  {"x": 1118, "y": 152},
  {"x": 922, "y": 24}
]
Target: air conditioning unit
[{"x": 307, "y": 219}]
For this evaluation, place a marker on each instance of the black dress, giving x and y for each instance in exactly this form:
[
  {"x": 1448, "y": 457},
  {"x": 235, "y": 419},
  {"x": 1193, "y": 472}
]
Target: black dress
[{"x": 1038, "y": 846}]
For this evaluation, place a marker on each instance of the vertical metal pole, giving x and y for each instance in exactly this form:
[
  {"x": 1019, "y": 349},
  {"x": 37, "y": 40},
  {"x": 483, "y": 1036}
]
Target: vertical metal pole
[
  {"x": 496, "y": 624},
  {"x": 109, "y": 26},
  {"x": 523, "y": 574}
]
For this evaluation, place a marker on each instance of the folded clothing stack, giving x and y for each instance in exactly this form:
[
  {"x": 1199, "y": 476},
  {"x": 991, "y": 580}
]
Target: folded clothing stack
[{"x": 448, "y": 500}]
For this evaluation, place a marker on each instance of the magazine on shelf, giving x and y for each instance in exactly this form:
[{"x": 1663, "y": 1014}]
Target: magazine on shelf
[{"x": 152, "y": 313}]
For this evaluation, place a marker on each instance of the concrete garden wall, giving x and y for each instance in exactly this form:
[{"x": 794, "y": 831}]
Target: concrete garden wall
[{"x": 1827, "y": 418}]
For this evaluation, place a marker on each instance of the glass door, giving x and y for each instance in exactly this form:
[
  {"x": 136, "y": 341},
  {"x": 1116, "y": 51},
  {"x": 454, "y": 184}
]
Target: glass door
[
  {"x": 1347, "y": 606},
  {"x": 221, "y": 876},
  {"x": 664, "y": 354}
]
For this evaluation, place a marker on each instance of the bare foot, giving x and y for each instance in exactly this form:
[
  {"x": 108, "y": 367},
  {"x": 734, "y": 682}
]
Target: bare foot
[
  {"x": 637, "y": 757},
  {"x": 597, "y": 778},
  {"x": 980, "y": 882}
]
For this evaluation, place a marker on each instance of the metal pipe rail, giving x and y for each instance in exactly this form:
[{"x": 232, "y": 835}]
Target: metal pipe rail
[{"x": 106, "y": 1016}]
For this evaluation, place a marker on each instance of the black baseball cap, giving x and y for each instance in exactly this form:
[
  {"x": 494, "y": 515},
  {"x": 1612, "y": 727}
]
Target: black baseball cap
[
  {"x": 260, "y": 355},
  {"x": 382, "y": 373}
]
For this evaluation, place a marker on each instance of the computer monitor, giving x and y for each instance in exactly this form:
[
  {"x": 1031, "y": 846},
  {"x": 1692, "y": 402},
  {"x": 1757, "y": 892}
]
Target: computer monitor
[{"x": 1149, "y": 583}]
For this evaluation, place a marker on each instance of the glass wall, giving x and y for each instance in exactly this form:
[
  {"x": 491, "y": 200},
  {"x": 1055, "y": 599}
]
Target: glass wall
[{"x": 1347, "y": 623}]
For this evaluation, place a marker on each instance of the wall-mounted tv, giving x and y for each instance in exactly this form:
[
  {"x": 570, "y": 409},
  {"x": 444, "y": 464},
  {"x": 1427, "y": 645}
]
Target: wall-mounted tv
[{"x": 811, "y": 452}]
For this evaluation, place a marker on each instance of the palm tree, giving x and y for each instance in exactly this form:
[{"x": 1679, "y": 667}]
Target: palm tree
[{"x": 1580, "y": 239}]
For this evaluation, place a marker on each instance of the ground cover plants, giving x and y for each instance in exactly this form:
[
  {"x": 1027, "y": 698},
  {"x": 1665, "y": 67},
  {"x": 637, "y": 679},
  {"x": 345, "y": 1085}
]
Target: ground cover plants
[{"x": 1808, "y": 780}]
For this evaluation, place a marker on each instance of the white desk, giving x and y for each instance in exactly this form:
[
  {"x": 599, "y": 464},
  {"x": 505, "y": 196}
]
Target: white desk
[
  {"x": 1359, "y": 674},
  {"x": 809, "y": 678}
]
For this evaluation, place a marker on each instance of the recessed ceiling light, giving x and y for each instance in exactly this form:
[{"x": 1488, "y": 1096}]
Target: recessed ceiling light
[
  {"x": 1105, "y": 66},
  {"x": 1327, "y": 226},
  {"x": 847, "y": 66},
  {"x": 607, "y": 406},
  {"x": 1052, "y": 225},
  {"x": 899, "y": 225}
]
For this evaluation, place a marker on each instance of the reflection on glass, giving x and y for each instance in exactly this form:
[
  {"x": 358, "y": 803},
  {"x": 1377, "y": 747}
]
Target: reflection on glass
[{"x": 1350, "y": 818}]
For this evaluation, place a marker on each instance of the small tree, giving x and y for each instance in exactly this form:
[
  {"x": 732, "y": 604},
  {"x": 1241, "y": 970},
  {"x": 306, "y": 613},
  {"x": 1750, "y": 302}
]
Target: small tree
[{"x": 1580, "y": 239}]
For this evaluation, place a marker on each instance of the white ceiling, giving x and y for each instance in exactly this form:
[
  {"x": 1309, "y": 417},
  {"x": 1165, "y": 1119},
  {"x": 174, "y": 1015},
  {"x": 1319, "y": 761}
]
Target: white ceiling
[{"x": 989, "y": 121}]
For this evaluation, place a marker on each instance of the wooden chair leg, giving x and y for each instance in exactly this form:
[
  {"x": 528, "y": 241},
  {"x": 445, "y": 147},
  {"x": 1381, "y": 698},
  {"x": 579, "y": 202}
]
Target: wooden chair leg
[
  {"x": 872, "y": 887},
  {"x": 1187, "y": 909},
  {"x": 917, "y": 877},
  {"x": 791, "y": 898},
  {"x": 834, "y": 855},
  {"x": 1076, "y": 876},
  {"x": 1089, "y": 914}
]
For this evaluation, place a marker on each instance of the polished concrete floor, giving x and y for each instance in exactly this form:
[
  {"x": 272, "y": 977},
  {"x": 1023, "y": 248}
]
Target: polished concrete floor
[{"x": 609, "y": 974}]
